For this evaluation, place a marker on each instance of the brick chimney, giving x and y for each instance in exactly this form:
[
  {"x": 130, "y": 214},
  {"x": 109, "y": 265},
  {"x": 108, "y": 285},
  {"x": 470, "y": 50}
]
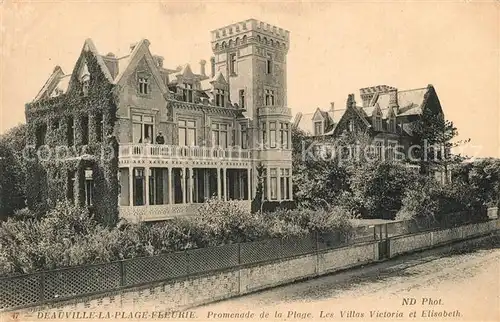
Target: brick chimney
[
  {"x": 112, "y": 64},
  {"x": 202, "y": 67},
  {"x": 158, "y": 60},
  {"x": 393, "y": 99},
  {"x": 350, "y": 101},
  {"x": 212, "y": 66}
]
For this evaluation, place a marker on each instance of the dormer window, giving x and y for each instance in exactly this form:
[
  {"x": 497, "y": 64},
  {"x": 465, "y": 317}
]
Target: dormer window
[
  {"x": 187, "y": 92},
  {"x": 269, "y": 97},
  {"x": 351, "y": 126},
  {"x": 143, "y": 86},
  {"x": 377, "y": 123},
  {"x": 85, "y": 87},
  {"x": 318, "y": 128},
  {"x": 392, "y": 125},
  {"x": 219, "y": 97}
]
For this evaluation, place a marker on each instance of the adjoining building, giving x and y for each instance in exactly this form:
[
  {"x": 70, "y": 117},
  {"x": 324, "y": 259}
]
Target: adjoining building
[
  {"x": 386, "y": 114},
  {"x": 154, "y": 142}
]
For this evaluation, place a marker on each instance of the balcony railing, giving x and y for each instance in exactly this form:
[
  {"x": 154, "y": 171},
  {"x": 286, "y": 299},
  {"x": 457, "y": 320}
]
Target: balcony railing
[
  {"x": 275, "y": 111},
  {"x": 160, "y": 151}
]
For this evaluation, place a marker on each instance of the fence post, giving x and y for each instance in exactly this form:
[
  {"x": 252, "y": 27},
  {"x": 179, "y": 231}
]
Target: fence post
[{"x": 239, "y": 253}]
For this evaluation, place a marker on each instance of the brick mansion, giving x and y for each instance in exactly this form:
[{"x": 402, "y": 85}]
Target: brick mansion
[{"x": 177, "y": 136}]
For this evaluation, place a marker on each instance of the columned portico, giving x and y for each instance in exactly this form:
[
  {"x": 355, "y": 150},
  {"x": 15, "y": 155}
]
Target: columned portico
[{"x": 158, "y": 190}]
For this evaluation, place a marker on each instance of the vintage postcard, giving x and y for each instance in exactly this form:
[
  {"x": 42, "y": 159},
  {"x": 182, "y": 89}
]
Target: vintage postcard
[{"x": 249, "y": 161}]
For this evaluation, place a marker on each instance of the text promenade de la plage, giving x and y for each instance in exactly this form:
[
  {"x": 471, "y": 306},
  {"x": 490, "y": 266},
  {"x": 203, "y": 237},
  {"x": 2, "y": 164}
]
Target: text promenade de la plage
[{"x": 410, "y": 308}]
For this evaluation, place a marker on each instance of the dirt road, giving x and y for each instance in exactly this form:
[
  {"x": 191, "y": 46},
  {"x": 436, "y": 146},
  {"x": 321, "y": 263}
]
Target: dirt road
[{"x": 445, "y": 287}]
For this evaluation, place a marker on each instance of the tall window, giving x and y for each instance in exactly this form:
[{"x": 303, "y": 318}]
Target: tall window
[
  {"x": 219, "y": 135},
  {"x": 391, "y": 150},
  {"x": 272, "y": 134},
  {"x": 264, "y": 134},
  {"x": 139, "y": 187},
  {"x": 351, "y": 126},
  {"x": 392, "y": 124},
  {"x": 379, "y": 149},
  {"x": 85, "y": 129},
  {"x": 98, "y": 126},
  {"x": 41, "y": 133},
  {"x": 274, "y": 184},
  {"x": 377, "y": 123},
  {"x": 142, "y": 128},
  {"x": 70, "y": 186},
  {"x": 285, "y": 184},
  {"x": 187, "y": 93},
  {"x": 269, "y": 64},
  {"x": 219, "y": 97},
  {"x": 242, "y": 98},
  {"x": 318, "y": 128},
  {"x": 269, "y": 97},
  {"x": 143, "y": 85},
  {"x": 89, "y": 187},
  {"x": 232, "y": 63},
  {"x": 157, "y": 181},
  {"x": 243, "y": 136},
  {"x": 284, "y": 135},
  {"x": 264, "y": 184},
  {"x": 70, "y": 134},
  {"x": 187, "y": 133},
  {"x": 85, "y": 87}
]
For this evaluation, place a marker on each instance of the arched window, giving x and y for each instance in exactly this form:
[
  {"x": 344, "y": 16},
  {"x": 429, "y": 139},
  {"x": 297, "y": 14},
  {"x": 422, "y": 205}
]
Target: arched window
[
  {"x": 265, "y": 41},
  {"x": 224, "y": 45},
  {"x": 244, "y": 40},
  {"x": 237, "y": 42},
  {"x": 258, "y": 38},
  {"x": 217, "y": 46},
  {"x": 230, "y": 43}
]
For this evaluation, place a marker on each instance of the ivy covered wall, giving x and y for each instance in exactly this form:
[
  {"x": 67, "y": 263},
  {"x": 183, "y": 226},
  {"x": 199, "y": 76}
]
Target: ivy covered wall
[{"x": 70, "y": 133}]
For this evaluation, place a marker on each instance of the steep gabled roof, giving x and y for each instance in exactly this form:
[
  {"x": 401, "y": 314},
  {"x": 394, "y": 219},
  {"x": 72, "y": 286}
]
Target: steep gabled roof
[
  {"x": 51, "y": 83},
  {"x": 140, "y": 51}
]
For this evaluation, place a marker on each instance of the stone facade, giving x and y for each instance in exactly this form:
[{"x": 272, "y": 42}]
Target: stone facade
[{"x": 217, "y": 127}]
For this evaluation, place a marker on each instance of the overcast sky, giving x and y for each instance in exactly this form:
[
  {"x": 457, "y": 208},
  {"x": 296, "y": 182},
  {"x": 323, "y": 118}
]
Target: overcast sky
[{"x": 336, "y": 48}]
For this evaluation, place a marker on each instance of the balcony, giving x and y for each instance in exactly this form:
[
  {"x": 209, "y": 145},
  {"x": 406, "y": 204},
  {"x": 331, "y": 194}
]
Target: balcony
[
  {"x": 175, "y": 152},
  {"x": 275, "y": 111}
]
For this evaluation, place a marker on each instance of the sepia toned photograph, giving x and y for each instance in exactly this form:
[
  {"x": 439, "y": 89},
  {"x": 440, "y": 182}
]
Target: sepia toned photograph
[{"x": 249, "y": 161}]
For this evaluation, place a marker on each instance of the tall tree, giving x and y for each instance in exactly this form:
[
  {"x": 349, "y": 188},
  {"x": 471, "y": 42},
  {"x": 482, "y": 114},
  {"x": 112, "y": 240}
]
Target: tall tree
[
  {"x": 12, "y": 170},
  {"x": 434, "y": 134}
]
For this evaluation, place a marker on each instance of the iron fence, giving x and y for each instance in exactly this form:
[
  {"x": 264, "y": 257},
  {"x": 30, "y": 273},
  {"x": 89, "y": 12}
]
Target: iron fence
[{"x": 66, "y": 283}]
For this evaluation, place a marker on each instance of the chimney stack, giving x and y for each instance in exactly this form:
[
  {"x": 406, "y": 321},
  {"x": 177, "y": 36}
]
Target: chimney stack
[
  {"x": 112, "y": 64},
  {"x": 132, "y": 46},
  {"x": 393, "y": 99},
  {"x": 212, "y": 65},
  {"x": 202, "y": 67},
  {"x": 350, "y": 101},
  {"x": 332, "y": 106},
  {"x": 158, "y": 60}
]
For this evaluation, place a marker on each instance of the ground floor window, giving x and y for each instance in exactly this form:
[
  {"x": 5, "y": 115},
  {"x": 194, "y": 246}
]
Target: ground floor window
[
  {"x": 89, "y": 187},
  {"x": 285, "y": 184},
  {"x": 274, "y": 184},
  {"x": 139, "y": 187}
]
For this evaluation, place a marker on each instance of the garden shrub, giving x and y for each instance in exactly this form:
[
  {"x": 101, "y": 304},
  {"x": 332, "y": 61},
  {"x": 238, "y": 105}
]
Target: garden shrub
[
  {"x": 430, "y": 199},
  {"x": 378, "y": 188}
]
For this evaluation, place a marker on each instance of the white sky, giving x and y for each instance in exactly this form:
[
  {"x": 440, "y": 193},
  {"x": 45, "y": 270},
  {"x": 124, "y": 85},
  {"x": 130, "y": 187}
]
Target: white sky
[{"x": 336, "y": 48}]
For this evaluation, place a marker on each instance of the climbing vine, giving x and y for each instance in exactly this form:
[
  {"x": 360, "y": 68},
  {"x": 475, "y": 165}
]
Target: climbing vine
[{"x": 79, "y": 135}]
